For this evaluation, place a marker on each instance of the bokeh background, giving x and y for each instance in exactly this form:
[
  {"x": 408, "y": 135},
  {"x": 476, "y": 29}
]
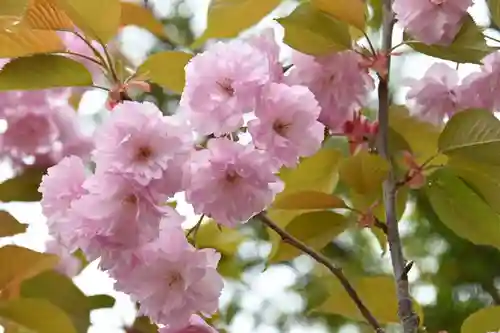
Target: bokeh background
[{"x": 451, "y": 277}]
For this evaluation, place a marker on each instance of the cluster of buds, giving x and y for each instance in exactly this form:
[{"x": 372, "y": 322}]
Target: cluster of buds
[
  {"x": 360, "y": 132},
  {"x": 120, "y": 92}
]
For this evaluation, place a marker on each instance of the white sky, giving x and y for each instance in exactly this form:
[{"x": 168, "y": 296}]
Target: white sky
[{"x": 270, "y": 285}]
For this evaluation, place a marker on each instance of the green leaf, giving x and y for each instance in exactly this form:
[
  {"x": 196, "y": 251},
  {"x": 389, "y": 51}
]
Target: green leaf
[
  {"x": 227, "y": 18},
  {"x": 316, "y": 173},
  {"x": 225, "y": 240},
  {"x": 99, "y": 19},
  {"x": 421, "y": 136},
  {"x": 462, "y": 210},
  {"x": 43, "y": 71},
  {"x": 23, "y": 187},
  {"x": 375, "y": 20},
  {"x": 166, "y": 69},
  {"x": 19, "y": 264},
  {"x": 144, "y": 325},
  {"x": 315, "y": 229},
  {"x": 474, "y": 134},
  {"x": 378, "y": 293},
  {"x": 134, "y": 14},
  {"x": 25, "y": 41},
  {"x": 309, "y": 200},
  {"x": 484, "y": 320},
  {"x": 494, "y": 6},
  {"x": 312, "y": 32},
  {"x": 36, "y": 315},
  {"x": 101, "y": 301},
  {"x": 60, "y": 290},
  {"x": 349, "y": 11},
  {"x": 469, "y": 45},
  {"x": 484, "y": 178},
  {"x": 364, "y": 172},
  {"x": 9, "y": 226}
]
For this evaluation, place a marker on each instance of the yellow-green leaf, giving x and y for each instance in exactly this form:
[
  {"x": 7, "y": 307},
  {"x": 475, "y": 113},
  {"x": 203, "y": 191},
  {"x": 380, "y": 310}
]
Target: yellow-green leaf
[
  {"x": 474, "y": 134},
  {"x": 144, "y": 325},
  {"x": 46, "y": 15},
  {"x": 225, "y": 240},
  {"x": 101, "y": 301},
  {"x": 484, "y": 178},
  {"x": 316, "y": 173},
  {"x": 364, "y": 172},
  {"x": 42, "y": 71},
  {"x": 36, "y": 315},
  {"x": 227, "y": 18},
  {"x": 309, "y": 200},
  {"x": 166, "y": 69},
  {"x": 311, "y": 31},
  {"x": 9, "y": 226},
  {"x": 378, "y": 293},
  {"x": 462, "y": 210},
  {"x": 23, "y": 41},
  {"x": 99, "y": 19},
  {"x": 13, "y": 8},
  {"x": 134, "y": 14},
  {"x": 23, "y": 187},
  {"x": 19, "y": 263},
  {"x": 494, "y": 6},
  {"x": 421, "y": 136},
  {"x": 349, "y": 11},
  {"x": 60, "y": 290},
  {"x": 469, "y": 45},
  {"x": 484, "y": 320},
  {"x": 315, "y": 229}
]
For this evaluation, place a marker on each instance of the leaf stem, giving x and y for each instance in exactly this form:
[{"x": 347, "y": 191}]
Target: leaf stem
[
  {"x": 407, "y": 316},
  {"x": 492, "y": 38},
  {"x": 288, "y": 238},
  {"x": 194, "y": 230},
  {"x": 85, "y": 57}
]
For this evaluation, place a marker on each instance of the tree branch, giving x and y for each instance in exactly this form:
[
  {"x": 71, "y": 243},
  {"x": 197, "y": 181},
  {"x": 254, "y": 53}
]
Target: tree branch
[
  {"x": 408, "y": 317},
  {"x": 288, "y": 238}
]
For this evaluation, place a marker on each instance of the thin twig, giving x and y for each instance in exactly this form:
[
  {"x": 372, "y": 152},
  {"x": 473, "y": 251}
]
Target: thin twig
[
  {"x": 407, "y": 316},
  {"x": 286, "y": 237}
]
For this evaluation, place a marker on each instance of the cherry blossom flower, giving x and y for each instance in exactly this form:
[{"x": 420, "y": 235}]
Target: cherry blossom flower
[
  {"x": 173, "y": 280},
  {"x": 338, "y": 81},
  {"x": 286, "y": 126},
  {"x": 222, "y": 83},
  {"x": 435, "y": 95},
  {"x": 137, "y": 142},
  {"x": 230, "y": 182},
  {"x": 431, "y": 21}
]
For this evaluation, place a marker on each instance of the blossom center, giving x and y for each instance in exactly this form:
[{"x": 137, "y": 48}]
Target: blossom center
[
  {"x": 281, "y": 128},
  {"x": 130, "y": 199},
  {"x": 174, "y": 279},
  {"x": 144, "y": 153},
  {"x": 437, "y": 2},
  {"x": 232, "y": 176},
  {"x": 226, "y": 86}
]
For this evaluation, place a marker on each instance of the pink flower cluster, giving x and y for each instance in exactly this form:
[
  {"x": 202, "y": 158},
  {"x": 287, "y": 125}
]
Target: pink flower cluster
[
  {"x": 41, "y": 127},
  {"x": 440, "y": 94},
  {"x": 118, "y": 212},
  {"x": 432, "y": 21}
]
